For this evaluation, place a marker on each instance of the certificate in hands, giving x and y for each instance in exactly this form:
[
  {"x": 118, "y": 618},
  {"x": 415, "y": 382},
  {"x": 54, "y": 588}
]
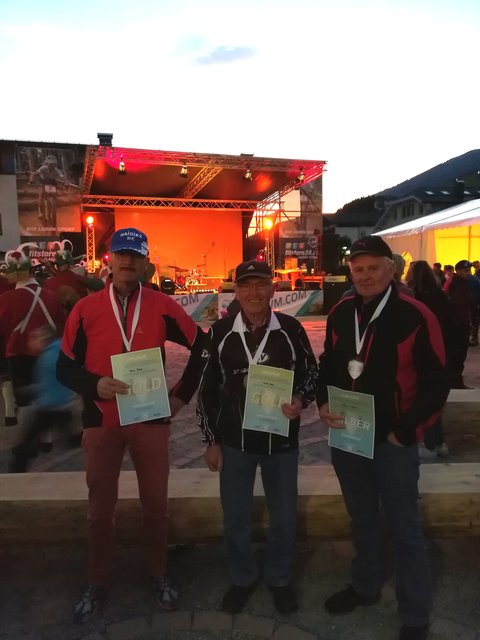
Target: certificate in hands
[
  {"x": 147, "y": 398},
  {"x": 358, "y": 411},
  {"x": 267, "y": 389}
]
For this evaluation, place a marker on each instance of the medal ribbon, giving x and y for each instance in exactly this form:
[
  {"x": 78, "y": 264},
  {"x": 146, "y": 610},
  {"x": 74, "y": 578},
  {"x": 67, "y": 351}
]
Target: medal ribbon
[
  {"x": 359, "y": 341},
  {"x": 136, "y": 314},
  {"x": 258, "y": 352}
]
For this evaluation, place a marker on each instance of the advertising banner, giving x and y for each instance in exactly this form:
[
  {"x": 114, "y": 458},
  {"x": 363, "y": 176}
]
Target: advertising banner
[
  {"x": 9, "y": 236},
  {"x": 208, "y": 307},
  {"x": 299, "y": 247},
  {"x": 200, "y": 306},
  {"x": 48, "y": 190},
  {"x": 293, "y": 303}
]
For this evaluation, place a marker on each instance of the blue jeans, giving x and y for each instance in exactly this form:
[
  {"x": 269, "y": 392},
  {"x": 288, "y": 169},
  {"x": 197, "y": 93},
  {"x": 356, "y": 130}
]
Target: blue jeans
[
  {"x": 390, "y": 478},
  {"x": 279, "y": 476}
]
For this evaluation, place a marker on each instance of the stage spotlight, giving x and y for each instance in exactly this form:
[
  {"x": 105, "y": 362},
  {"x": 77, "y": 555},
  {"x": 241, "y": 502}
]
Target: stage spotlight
[
  {"x": 183, "y": 171},
  {"x": 301, "y": 177},
  {"x": 122, "y": 169},
  {"x": 248, "y": 175}
]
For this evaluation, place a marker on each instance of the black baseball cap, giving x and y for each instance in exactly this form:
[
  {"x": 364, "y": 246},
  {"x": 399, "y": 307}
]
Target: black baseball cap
[
  {"x": 372, "y": 245},
  {"x": 463, "y": 264},
  {"x": 252, "y": 269}
]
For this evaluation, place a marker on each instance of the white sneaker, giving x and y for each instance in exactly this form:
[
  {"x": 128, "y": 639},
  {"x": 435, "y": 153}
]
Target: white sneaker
[
  {"x": 442, "y": 451},
  {"x": 426, "y": 454}
]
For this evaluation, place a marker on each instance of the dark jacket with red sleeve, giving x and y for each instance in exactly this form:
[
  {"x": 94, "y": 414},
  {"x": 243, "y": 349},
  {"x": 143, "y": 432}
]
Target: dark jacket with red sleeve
[{"x": 404, "y": 362}]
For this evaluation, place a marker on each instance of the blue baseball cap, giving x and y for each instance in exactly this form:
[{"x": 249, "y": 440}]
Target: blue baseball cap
[{"x": 129, "y": 239}]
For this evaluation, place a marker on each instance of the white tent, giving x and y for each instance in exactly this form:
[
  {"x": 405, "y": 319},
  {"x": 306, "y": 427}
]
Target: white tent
[{"x": 447, "y": 236}]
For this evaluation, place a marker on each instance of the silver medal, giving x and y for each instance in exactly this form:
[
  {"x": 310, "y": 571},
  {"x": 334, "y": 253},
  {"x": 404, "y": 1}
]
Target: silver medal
[{"x": 355, "y": 368}]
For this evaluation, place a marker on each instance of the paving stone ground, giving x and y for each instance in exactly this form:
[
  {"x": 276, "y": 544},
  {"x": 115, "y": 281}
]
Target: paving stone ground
[{"x": 39, "y": 585}]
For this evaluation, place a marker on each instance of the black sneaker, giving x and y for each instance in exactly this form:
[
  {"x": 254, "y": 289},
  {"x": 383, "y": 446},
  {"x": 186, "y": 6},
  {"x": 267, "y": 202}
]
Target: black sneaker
[
  {"x": 166, "y": 593},
  {"x": 414, "y": 633},
  {"x": 237, "y": 597},
  {"x": 284, "y": 599},
  {"x": 345, "y": 601},
  {"x": 90, "y": 603}
]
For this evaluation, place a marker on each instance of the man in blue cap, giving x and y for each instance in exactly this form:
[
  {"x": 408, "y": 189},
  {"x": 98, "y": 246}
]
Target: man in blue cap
[{"x": 125, "y": 317}]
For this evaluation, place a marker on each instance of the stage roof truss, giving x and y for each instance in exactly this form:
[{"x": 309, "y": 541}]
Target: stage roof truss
[
  {"x": 161, "y": 203},
  {"x": 202, "y": 160},
  {"x": 203, "y": 177},
  {"x": 284, "y": 175}
]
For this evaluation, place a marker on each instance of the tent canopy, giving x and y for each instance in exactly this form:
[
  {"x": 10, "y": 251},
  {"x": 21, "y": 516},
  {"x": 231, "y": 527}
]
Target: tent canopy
[
  {"x": 446, "y": 236},
  {"x": 461, "y": 215}
]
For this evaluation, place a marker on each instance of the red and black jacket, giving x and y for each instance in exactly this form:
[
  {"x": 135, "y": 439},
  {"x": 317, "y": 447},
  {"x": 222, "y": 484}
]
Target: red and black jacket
[
  {"x": 92, "y": 335},
  {"x": 404, "y": 358}
]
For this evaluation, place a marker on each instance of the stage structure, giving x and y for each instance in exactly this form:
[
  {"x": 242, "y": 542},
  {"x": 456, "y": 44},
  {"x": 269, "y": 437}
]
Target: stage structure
[{"x": 195, "y": 208}]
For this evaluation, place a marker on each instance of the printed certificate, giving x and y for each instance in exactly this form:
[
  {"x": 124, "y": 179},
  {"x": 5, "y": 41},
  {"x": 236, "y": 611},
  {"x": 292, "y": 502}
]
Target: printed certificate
[
  {"x": 267, "y": 389},
  {"x": 358, "y": 410},
  {"x": 147, "y": 398}
]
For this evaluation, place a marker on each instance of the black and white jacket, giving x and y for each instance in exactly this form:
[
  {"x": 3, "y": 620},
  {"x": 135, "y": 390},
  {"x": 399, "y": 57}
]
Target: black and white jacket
[{"x": 221, "y": 397}]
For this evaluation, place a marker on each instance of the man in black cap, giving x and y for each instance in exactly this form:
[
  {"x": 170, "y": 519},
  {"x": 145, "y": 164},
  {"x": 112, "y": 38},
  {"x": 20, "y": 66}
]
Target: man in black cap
[
  {"x": 255, "y": 335},
  {"x": 385, "y": 344}
]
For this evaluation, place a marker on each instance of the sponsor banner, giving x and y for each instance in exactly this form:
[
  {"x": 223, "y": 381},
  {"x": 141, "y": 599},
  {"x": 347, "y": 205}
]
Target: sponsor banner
[
  {"x": 293, "y": 303},
  {"x": 210, "y": 306},
  {"x": 301, "y": 248},
  {"x": 200, "y": 306},
  {"x": 48, "y": 190}
]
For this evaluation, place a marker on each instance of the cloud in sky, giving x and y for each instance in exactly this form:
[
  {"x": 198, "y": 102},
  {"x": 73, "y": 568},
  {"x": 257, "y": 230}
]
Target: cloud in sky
[{"x": 226, "y": 55}]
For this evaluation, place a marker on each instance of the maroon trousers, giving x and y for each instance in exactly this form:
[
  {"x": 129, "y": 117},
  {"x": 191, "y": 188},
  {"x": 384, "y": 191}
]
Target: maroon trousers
[{"x": 104, "y": 450}]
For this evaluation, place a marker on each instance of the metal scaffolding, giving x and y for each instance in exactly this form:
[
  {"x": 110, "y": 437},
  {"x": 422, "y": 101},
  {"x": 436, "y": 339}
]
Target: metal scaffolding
[{"x": 91, "y": 257}]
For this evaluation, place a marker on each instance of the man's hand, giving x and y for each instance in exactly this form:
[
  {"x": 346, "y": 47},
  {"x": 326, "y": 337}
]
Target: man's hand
[
  {"x": 392, "y": 438},
  {"x": 108, "y": 387},
  {"x": 214, "y": 457},
  {"x": 332, "y": 420},
  {"x": 175, "y": 405},
  {"x": 294, "y": 409}
]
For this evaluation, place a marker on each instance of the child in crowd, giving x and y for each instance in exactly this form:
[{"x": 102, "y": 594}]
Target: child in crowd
[{"x": 52, "y": 403}]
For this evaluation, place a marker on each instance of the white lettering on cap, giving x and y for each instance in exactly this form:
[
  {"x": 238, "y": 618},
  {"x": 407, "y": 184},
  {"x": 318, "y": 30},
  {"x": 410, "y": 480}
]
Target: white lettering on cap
[{"x": 251, "y": 267}]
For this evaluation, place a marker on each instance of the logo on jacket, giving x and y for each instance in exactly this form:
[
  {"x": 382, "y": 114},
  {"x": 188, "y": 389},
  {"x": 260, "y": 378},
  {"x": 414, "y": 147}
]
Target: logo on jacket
[{"x": 264, "y": 357}]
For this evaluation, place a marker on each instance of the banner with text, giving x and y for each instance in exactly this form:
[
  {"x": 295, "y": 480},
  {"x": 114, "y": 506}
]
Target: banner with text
[{"x": 211, "y": 306}]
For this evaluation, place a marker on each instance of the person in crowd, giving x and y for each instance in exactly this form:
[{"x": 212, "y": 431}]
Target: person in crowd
[
  {"x": 439, "y": 274},
  {"x": 147, "y": 281},
  {"x": 386, "y": 344},
  {"x": 448, "y": 271},
  {"x": 68, "y": 286},
  {"x": 255, "y": 334},
  {"x": 52, "y": 404},
  {"x": 476, "y": 268},
  {"x": 125, "y": 317},
  {"x": 22, "y": 310},
  {"x": 462, "y": 297},
  {"x": 398, "y": 269},
  {"x": 422, "y": 281}
]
